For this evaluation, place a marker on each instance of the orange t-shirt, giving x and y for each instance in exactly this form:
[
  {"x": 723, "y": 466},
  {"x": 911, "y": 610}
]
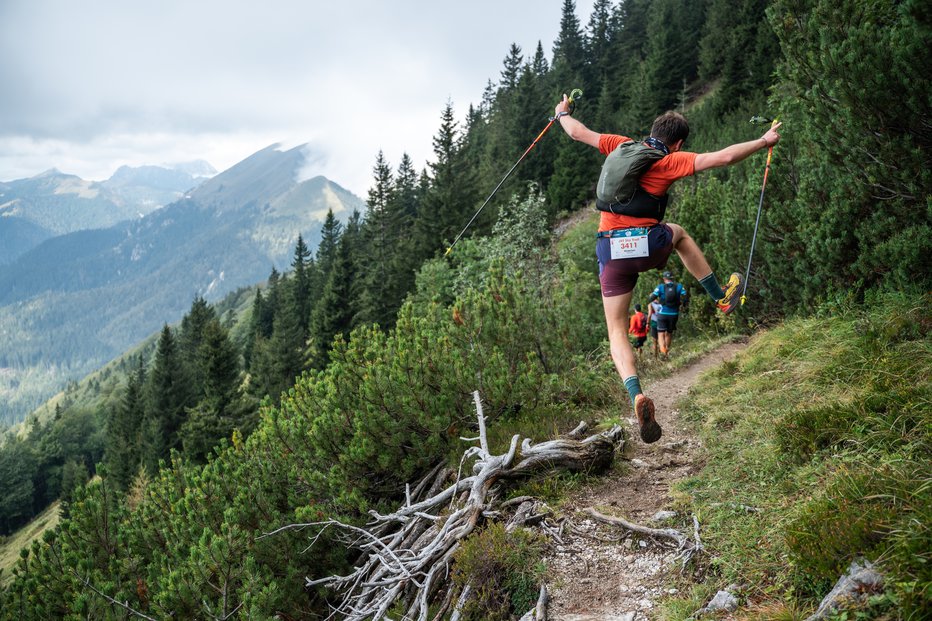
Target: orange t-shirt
[
  {"x": 656, "y": 180},
  {"x": 637, "y": 325}
]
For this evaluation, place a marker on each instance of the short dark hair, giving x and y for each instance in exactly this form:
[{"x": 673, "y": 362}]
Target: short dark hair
[
  {"x": 637, "y": 307},
  {"x": 670, "y": 127}
]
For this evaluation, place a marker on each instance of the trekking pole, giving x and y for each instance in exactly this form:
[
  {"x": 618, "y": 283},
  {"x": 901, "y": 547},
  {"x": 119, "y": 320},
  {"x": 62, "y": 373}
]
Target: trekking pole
[
  {"x": 747, "y": 275},
  {"x": 574, "y": 94}
]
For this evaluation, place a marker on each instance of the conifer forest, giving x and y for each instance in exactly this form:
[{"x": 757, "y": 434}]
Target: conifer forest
[{"x": 318, "y": 395}]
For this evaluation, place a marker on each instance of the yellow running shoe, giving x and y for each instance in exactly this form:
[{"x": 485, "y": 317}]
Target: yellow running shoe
[{"x": 734, "y": 289}]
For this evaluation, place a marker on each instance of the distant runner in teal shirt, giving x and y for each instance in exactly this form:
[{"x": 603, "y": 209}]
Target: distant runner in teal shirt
[{"x": 671, "y": 295}]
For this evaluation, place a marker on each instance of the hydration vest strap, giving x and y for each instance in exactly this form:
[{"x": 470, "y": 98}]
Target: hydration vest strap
[
  {"x": 629, "y": 232},
  {"x": 641, "y": 205}
]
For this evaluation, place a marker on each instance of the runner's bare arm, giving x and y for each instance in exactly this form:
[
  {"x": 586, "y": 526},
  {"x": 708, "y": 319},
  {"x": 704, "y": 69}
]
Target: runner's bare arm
[
  {"x": 573, "y": 128},
  {"x": 737, "y": 152}
]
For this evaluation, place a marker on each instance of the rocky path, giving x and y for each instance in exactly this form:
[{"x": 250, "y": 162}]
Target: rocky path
[{"x": 600, "y": 575}]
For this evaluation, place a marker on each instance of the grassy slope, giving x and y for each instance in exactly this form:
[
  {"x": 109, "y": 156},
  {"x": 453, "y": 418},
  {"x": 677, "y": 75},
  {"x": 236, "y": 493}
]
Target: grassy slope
[
  {"x": 23, "y": 538},
  {"x": 824, "y": 424}
]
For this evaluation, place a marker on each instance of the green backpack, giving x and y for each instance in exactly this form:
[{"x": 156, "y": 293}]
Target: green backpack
[{"x": 618, "y": 190}]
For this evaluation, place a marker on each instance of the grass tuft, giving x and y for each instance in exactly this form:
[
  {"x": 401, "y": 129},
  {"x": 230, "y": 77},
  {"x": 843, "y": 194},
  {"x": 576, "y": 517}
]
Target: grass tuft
[{"x": 504, "y": 571}]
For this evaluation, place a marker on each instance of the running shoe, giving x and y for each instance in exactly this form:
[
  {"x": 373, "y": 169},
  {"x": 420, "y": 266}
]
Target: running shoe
[
  {"x": 644, "y": 408},
  {"x": 734, "y": 289}
]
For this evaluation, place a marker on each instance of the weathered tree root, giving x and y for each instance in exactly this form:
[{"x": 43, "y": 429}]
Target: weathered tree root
[
  {"x": 407, "y": 554},
  {"x": 687, "y": 547}
]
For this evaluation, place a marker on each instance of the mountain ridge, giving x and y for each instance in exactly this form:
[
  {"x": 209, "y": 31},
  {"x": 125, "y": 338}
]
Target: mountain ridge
[
  {"x": 54, "y": 203},
  {"x": 82, "y": 298}
]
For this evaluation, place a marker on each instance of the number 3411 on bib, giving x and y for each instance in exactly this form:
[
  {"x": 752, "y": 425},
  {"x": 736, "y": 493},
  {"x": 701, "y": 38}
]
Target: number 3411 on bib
[{"x": 629, "y": 247}]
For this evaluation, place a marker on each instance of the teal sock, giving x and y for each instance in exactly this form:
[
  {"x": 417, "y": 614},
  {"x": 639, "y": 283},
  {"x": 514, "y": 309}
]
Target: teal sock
[
  {"x": 710, "y": 284},
  {"x": 633, "y": 384}
]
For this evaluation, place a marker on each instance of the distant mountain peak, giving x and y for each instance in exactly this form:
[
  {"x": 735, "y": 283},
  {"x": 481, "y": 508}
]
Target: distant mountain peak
[
  {"x": 195, "y": 168},
  {"x": 51, "y": 172}
]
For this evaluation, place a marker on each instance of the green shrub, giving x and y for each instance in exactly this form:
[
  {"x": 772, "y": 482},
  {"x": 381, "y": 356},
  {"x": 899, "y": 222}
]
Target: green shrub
[{"x": 503, "y": 570}]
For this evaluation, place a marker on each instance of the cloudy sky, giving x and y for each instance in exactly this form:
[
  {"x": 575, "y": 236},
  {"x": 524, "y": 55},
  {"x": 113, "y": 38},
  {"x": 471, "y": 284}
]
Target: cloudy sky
[{"x": 90, "y": 86}]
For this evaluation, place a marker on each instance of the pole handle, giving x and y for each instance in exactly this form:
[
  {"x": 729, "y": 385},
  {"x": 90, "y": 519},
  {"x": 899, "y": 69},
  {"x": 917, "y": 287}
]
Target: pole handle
[{"x": 575, "y": 94}]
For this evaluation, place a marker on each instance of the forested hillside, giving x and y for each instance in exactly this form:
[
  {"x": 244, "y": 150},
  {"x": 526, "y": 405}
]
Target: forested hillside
[{"x": 351, "y": 374}]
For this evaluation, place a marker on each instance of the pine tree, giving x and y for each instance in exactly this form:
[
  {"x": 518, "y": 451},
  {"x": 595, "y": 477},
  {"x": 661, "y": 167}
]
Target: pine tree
[
  {"x": 512, "y": 69},
  {"x": 569, "y": 50},
  {"x": 532, "y": 109},
  {"x": 572, "y": 179},
  {"x": 17, "y": 469},
  {"x": 627, "y": 36},
  {"x": 74, "y": 475},
  {"x": 326, "y": 250},
  {"x": 539, "y": 64},
  {"x": 670, "y": 60},
  {"x": 122, "y": 455},
  {"x": 490, "y": 130},
  {"x": 221, "y": 406},
  {"x": 597, "y": 43},
  {"x": 270, "y": 305},
  {"x": 285, "y": 355},
  {"x": 871, "y": 181},
  {"x": 404, "y": 204},
  {"x": 191, "y": 337},
  {"x": 738, "y": 48},
  {"x": 168, "y": 392},
  {"x": 333, "y": 314},
  {"x": 451, "y": 195},
  {"x": 255, "y": 315},
  {"x": 262, "y": 363},
  {"x": 301, "y": 284},
  {"x": 380, "y": 236}
]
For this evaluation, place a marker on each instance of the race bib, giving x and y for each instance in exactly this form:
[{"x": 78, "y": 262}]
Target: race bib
[{"x": 629, "y": 246}]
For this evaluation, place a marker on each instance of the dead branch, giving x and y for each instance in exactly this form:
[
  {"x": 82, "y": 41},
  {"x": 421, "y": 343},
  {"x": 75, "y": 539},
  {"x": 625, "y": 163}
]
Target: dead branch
[
  {"x": 654, "y": 533},
  {"x": 687, "y": 548},
  {"x": 113, "y": 601},
  {"x": 407, "y": 554}
]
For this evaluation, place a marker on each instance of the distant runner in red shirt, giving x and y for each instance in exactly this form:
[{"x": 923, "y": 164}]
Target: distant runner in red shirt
[{"x": 638, "y": 328}]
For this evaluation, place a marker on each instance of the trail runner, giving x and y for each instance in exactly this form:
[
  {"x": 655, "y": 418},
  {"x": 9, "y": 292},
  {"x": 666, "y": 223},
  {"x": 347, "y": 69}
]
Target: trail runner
[
  {"x": 653, "y": 310},
  {"x": 650, "y": 240},
  {"x": 637, "y": 328},
  {"x": 672, "y": 296}
]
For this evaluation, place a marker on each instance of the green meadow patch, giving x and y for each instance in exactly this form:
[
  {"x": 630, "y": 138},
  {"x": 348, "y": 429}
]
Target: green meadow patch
[{"x": 819, "y": 439}]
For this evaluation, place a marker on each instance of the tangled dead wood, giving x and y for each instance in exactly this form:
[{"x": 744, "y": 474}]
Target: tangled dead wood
[{"x": 406, "y": 555}]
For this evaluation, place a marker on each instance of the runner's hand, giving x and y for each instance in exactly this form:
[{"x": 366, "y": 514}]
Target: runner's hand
[
  {"x": 771, "y": 137},
  {"x": 563, "y": 106}
]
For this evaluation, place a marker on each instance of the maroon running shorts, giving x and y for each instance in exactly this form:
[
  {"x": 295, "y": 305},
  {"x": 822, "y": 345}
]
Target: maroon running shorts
[{"x": 618, "y": 276}]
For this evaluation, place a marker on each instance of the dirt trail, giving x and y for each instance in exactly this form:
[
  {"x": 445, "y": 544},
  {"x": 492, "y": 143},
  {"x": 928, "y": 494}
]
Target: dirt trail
[{"x": 596, "y": 576}]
